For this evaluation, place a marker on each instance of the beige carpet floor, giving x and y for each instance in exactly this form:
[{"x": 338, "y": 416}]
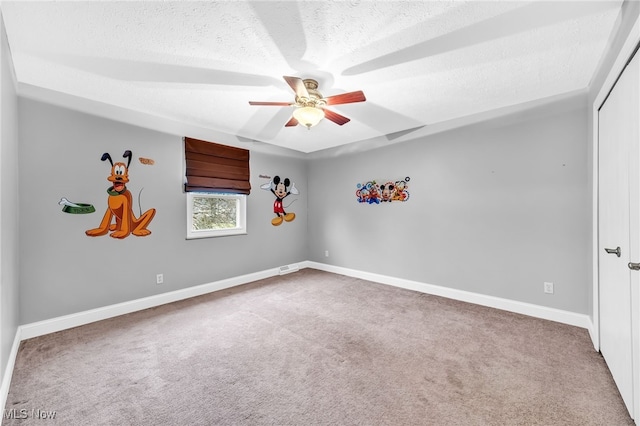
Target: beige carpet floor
[{"x": 314, "y": 348}]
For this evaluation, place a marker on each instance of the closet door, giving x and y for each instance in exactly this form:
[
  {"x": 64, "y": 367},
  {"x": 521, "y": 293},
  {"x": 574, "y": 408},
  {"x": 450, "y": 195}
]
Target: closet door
[{"x": 618, "y": 146}]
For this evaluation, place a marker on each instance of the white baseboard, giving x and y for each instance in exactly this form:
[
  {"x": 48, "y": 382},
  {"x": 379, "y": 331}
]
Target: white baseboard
[
  {"x": 81, "y": 318},
  {"x": 8, "y": 371},
  {"x": 595, "y": 339},
  {"x": 537, "y": 311},
  {"x": 73, "y": 320}
]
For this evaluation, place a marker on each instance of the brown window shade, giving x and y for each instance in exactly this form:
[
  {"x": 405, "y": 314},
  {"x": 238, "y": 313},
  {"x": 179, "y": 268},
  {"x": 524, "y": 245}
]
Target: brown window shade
[{"x": 213, "y": 167}]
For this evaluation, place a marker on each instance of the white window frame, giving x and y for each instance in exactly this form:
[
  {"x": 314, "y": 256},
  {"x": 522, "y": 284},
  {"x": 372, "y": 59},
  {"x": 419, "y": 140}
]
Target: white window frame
[{"x": 241, "y": 216}]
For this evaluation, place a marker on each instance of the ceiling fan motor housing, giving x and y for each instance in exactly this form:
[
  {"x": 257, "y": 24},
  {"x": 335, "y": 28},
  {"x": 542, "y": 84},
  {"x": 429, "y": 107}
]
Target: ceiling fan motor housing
[{"x": 315, "y": 98}]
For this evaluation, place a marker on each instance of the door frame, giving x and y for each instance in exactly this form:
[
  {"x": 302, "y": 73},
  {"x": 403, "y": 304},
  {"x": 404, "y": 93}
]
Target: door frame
[{"x": 629, "y": 47}]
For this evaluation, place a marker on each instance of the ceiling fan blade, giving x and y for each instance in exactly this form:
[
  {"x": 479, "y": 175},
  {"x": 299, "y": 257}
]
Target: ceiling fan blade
[
  {"x": 335, "y": 117},
  {"x": 292, "y": 122},
  {"x": 297, "y": 85},
  {"x": 510, "y": 23},
  {"x": 381, "y": 119},
  {"x": 346, "y": 98},
  {"x": 264, "y": 124},
  {"x": 284, "y": 25},
  {"x": 144, "y": 71},
  {"x": 270, "y": 103}
]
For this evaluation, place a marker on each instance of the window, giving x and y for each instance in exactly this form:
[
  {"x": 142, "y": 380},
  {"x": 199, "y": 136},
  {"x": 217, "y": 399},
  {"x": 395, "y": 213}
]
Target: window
[
  {"x": 215, "y": 214},
  {"x": 217, "y": 184}
]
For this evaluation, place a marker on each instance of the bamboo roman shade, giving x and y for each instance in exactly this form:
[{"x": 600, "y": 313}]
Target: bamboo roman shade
[{"x": 216, "y": 168}]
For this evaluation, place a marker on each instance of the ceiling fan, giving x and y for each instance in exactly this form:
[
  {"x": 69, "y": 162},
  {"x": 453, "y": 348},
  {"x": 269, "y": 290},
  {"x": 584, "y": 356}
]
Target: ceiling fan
[{"x": 311, "y": 105}]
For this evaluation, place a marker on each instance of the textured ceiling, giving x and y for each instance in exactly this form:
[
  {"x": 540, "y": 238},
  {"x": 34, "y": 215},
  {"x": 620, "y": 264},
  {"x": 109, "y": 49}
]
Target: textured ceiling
[{"x": 419, "y": 63}]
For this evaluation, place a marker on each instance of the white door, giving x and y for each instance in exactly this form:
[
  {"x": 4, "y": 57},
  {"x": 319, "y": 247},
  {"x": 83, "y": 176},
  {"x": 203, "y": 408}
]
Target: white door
[{"x": 618, "y": 149}]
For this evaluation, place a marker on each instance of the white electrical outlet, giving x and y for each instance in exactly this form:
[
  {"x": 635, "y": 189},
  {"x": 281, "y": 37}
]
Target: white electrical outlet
[
  {"x": 548, "y": 288},
  {"x": 326, "y": 253},
  {"x": 159, "y": 279}
]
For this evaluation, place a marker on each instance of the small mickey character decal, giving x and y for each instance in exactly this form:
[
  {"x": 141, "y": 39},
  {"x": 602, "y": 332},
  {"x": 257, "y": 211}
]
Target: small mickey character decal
[
  {"x": 281, "y": 189},
  {"x": 387, "y": 191}
]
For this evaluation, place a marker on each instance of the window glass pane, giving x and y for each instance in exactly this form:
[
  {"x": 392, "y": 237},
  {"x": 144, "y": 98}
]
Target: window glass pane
[{"x": 214, "y": 213}]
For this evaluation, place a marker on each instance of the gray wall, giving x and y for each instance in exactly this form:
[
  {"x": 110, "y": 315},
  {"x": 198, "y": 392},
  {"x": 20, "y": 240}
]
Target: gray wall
[
  {"x": 496, "y": 208},
  {"x": 62, "y": 271},
  {"x": 9, "y": 291}
]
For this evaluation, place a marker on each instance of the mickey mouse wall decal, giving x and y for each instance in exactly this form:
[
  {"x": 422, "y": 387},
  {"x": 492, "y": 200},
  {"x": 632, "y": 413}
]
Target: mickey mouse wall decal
[
  {"x": 281, "y": 189},
  {"x": 120, "y": 205}
]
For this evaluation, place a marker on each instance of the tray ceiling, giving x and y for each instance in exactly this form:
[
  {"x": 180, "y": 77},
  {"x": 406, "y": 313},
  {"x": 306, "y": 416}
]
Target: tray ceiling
[{"x": 419, "y": 63}]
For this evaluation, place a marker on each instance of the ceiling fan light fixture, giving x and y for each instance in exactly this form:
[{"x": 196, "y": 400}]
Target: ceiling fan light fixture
[
  {"x": 308, "y": 116},
  {"x": 310, "y": 104}
]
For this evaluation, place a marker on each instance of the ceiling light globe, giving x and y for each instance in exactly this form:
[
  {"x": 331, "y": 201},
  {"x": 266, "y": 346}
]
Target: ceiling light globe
[{"x": 308, "y": 116}]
